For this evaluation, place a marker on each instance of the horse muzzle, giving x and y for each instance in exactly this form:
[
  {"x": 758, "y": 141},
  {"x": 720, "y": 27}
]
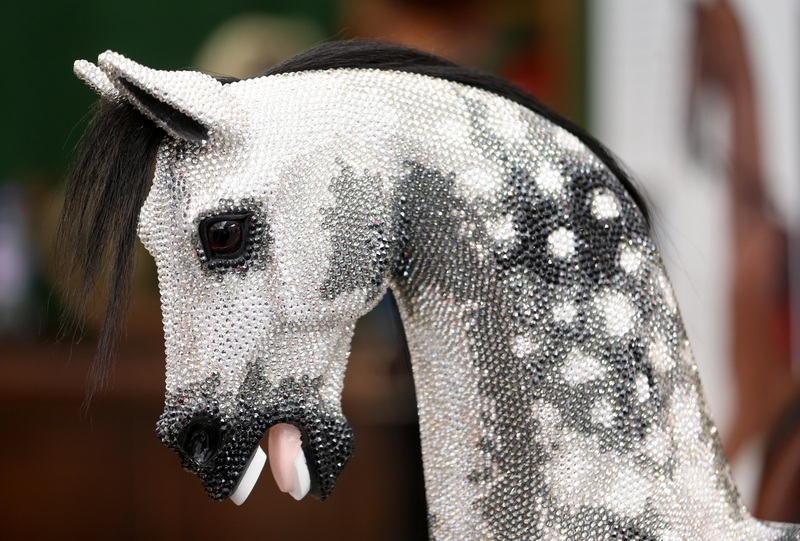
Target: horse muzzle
[{"x": 309, "y": 442}]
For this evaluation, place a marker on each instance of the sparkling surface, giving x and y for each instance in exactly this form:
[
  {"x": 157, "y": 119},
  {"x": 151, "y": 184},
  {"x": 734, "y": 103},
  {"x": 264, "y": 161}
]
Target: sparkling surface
[{"x": 558, "y": 397}]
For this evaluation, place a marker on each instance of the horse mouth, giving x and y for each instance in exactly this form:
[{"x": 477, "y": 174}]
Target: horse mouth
[{"x": 287, "y": 461}]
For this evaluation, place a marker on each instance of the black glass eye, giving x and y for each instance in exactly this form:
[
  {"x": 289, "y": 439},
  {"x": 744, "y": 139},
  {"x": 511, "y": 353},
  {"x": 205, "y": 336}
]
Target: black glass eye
[{"x": 225, "y": 237}]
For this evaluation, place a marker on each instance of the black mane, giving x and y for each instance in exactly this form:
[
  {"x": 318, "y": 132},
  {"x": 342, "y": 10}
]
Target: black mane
[{"x": 115, "y": 159}]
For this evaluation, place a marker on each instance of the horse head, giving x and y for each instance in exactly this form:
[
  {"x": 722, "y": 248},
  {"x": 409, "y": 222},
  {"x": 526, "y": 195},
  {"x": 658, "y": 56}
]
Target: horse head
[{"x": 260, "y": 282}]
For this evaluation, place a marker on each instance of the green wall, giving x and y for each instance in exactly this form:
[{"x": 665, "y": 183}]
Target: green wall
[{"x": 42, "y": 103}]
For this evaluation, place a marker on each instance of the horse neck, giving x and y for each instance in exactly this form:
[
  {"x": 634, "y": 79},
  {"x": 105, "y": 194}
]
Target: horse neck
[{"x": 557, "y": 393}]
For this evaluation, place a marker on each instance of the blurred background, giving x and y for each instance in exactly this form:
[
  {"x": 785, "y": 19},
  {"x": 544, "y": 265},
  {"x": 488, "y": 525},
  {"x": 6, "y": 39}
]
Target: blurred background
[{"x": 700, "y": 99}]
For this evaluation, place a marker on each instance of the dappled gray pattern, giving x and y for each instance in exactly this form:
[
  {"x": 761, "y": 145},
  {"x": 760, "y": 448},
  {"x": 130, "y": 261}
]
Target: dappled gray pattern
[{"x": 362, "y": 264}]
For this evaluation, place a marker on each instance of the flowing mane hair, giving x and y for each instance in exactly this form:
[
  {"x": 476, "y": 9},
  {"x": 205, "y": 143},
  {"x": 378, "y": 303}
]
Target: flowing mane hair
[{"x": 115, "y": 160}]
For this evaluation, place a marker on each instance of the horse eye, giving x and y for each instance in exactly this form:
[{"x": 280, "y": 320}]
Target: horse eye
[{"x": 224, "y": 237}]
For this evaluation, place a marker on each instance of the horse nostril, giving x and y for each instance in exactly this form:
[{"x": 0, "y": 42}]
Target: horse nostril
[{"x": 201, "y": 440}]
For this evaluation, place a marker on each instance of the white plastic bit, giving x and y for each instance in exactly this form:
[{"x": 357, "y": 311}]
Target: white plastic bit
[
  {"x": 302, "y": 479},
  {"x": 249, "y": 477}
]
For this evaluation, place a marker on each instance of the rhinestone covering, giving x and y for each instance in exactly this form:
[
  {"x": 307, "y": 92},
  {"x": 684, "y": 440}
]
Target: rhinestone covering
[{"x": 558, "y": 397}]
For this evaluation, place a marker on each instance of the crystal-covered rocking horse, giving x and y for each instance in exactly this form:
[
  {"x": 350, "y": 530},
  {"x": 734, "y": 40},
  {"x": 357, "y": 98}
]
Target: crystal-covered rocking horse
[{"x": 558, "y": 397}]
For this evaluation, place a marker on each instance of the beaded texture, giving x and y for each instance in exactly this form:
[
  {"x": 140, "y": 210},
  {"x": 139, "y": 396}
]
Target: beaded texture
[{"x": 557, "y": 393}]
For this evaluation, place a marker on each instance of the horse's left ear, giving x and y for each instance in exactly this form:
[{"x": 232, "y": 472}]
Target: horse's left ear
[{"x": 187, "y": 104}]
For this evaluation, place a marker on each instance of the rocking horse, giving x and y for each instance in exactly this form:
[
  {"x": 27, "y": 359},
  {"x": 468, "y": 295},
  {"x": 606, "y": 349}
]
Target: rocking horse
[{"x": 557, "y": 393}]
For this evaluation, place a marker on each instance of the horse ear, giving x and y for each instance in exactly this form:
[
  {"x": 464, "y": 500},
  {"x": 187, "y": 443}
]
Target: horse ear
[
  {"x": 187, "y": 104},
  {"x": 95, "y": 78}
]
